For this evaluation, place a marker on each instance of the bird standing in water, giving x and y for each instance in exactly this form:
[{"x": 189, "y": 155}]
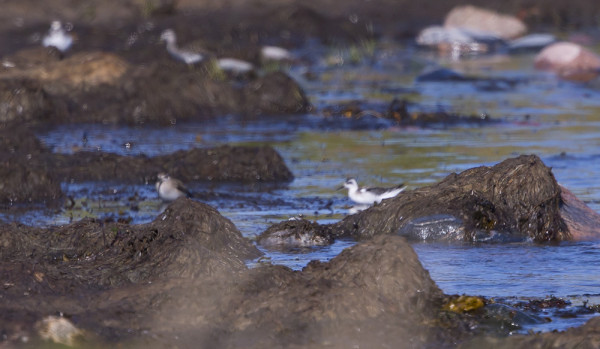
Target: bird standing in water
[
  {"x": 170, "y": 189},
  {"x": 368, "y": 196}
]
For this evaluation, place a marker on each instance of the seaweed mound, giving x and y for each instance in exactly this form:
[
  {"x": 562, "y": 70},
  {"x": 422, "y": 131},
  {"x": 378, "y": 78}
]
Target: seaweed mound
[{"x": 518, "y": 197}]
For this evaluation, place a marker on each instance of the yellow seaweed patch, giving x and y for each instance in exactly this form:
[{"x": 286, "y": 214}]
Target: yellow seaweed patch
[{"x": 463, "y": 304}]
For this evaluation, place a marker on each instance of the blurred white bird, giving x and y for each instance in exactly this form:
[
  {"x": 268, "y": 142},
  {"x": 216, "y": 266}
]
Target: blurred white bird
[
  {"x": 170, "y": 189},
  {"x": 57, "y": 37},
  {"x": 189, "y": 54},
  {"x": 234, "y": 65},
  {"x": 368, "y": 196},
  {"x": 275, "y": 53}
]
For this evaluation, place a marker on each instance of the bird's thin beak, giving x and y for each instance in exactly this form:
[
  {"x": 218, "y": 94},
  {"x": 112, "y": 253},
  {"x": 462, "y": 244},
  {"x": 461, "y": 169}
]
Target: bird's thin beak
[{"x": 340, "y": 188}]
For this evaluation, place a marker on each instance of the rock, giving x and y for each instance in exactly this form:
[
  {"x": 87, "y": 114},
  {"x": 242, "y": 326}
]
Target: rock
[
  {"x": 583, "y": 222},
  {"x": 59, "y": 330},
  {"x": 442, "y": 74},
  {"x": 481, "y": 20},
  {"x": 569, "y": 61},
  {"x": 515, "y": 199},
  {"x": 531, "y": 42},
  {"x": 295, "y": 233}
]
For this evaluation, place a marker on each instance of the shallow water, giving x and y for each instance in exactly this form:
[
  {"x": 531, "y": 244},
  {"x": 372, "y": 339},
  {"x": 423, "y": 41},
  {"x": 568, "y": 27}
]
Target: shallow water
[{"x": 559, "y": 121}]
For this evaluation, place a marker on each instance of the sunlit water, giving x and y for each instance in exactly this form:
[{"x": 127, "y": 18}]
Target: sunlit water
[{"x": 559, "y": 121}]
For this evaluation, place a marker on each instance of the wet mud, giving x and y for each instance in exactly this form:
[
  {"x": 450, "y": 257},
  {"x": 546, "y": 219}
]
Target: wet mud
[{"x": 184, "y": 275}]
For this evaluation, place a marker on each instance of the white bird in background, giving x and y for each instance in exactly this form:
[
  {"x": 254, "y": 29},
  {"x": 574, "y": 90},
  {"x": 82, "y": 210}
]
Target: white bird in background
[
  {"x": 57, "y": 37},
  {"x": 368, "y": 196},
  {"x": 189, "y": 55},
  {"x": 192, "y": 54},
  {"x": 234, "y": 65},
  {"x": 275, "y": 53},
  {"x": 170, "y": 189}
]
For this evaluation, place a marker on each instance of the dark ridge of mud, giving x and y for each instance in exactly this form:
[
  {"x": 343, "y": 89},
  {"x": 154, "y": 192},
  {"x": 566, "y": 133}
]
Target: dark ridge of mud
[
  {"x": 517, "y": 197},
  {"x": 398, "y": 111},
  {"x": 224, "y": 163},
  {"x": 365, "y": 115}
]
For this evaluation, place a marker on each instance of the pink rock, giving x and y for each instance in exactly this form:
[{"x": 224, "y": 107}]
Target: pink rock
[
  {"x": 569, "y": 61},
  {"x": 481, "y": 20},
  {"x": 582, "y": 221}
]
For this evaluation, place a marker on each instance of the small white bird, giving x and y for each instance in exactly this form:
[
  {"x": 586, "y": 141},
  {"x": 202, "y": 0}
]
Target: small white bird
[
  {"x": 275, "y": 53},
  {"x": 234, "y": 65},
  {"x": 189, "y": 55},
  {"x": 169, "y": 189},
  {"x": 368, "y": 196},
  {"x": 57, "y": 37}
]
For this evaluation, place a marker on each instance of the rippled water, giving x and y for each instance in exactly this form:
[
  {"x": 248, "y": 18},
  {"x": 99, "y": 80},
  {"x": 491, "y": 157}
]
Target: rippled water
[{"x": 559, "y": 121}]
